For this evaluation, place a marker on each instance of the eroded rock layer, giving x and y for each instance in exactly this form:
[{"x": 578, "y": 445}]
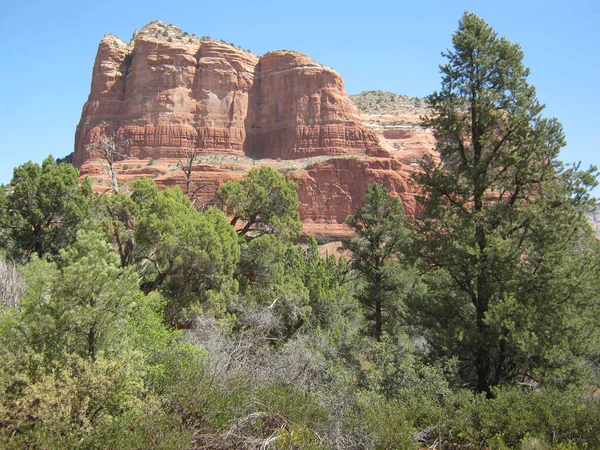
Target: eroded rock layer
[{"x": 166, "y": 92}]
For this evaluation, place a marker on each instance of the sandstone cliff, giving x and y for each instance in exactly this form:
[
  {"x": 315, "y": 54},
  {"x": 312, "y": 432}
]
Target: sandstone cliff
[
  {"x": 395, "y": 119},
  {"x": 167, "y": 92}
]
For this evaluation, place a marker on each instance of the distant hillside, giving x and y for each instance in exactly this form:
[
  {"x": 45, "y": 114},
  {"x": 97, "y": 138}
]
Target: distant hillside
[
  {"x": 382, "y": 102},
  {"x": 595, "y": 220}
]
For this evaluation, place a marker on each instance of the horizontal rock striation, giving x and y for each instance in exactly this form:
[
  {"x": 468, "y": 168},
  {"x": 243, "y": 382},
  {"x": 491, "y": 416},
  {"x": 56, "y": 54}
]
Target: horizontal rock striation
[
  {"x": 330, "y": 191},
  {"x": 167, "y": 92},
  {"x": 303, "y": 111}
]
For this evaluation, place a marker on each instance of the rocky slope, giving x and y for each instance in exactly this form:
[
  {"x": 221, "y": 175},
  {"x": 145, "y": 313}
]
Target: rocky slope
[
  {"x": 594, "y": 218},
  {"x": 395, "y": 120},
  {"x": 167, "y": 92}
]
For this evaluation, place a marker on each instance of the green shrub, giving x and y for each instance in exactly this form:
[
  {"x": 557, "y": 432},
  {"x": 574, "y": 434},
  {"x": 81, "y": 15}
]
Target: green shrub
[
  {"x": 293, "y": 405},
  {"x": 322, "y": 240},
  {"x": 87, "y": 404},
  {"x": 516, "y": 417}
]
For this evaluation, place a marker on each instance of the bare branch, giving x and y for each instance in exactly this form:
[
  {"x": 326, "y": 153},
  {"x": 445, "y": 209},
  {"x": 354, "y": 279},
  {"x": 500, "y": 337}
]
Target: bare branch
[
  {"x": 111, "y": 149},
  {"x": 12, "y": 285}
]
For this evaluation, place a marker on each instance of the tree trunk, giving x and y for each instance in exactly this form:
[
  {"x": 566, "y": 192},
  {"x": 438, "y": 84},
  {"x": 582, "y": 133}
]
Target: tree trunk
[
  {"x": 377, "y": 299},
  {"x": 113, "y": 178},
  {"x": 91, "y": 338},
  {"x": 378, "y": 319},
  {"x": 483, "y": 297}
]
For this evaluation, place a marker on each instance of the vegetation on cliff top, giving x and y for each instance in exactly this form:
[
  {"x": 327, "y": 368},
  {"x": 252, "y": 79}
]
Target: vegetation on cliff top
[{"x": 381, "y": 102}]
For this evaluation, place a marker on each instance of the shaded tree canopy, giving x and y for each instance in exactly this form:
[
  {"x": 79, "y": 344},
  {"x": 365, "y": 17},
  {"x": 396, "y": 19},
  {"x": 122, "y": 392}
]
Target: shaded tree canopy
[
  {"x": 264, "y": 202},
  {"x": 79, "y": 299}
]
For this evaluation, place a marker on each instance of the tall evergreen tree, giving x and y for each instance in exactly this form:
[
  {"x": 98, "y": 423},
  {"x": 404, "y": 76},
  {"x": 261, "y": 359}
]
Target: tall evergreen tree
[
  {"x": 503, "y": 237},
  {"x": 380, "y": 235}
]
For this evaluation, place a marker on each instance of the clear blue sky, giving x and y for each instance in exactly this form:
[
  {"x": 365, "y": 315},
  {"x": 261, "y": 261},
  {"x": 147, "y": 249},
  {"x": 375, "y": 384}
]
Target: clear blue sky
[{"x": 49, "y": 48}]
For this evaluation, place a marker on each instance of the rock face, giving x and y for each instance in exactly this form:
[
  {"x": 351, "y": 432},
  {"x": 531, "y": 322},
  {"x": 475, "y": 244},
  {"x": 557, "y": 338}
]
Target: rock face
[
  {"x": 330, "y": 191},
  {"x": 395, "y": 119},
  {"x": 300, "y": 110},
  {"x": 594, "y": 218},
  {"x": 167, "y": 92}
]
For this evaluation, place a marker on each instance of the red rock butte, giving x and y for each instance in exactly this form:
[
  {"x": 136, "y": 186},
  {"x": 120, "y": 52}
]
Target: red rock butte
[{"x": 168, "y": 92}]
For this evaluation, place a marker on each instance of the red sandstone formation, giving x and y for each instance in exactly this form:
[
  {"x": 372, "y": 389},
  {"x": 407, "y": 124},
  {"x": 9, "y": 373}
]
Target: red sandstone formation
[
  {"x": 167, "y": 91},
  {"x": 301, "y": 110}
]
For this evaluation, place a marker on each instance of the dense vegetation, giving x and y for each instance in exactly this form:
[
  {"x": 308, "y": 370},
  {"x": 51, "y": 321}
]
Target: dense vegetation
[{"x": 137, "y": 321}]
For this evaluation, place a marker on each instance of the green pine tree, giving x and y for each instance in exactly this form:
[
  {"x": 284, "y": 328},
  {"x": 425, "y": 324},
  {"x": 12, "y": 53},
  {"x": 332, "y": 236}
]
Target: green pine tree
[
  {"x": 74, "y": 306},
  {"x": 42, "y": 209},
  {"x": 380, "y": 236},
  {"x": 504, "y": 239},
  {"x": 188, "y": 256}
]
